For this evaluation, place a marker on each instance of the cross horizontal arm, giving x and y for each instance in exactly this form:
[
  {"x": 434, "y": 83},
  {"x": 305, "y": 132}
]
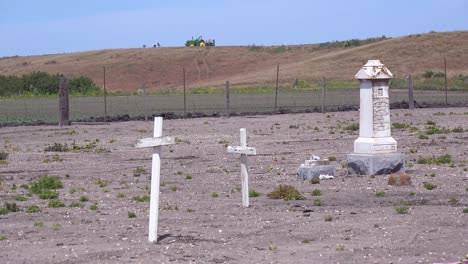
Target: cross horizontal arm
[
  {"x": 154, "y": 142},
  {"x": 242, "y": 150}
]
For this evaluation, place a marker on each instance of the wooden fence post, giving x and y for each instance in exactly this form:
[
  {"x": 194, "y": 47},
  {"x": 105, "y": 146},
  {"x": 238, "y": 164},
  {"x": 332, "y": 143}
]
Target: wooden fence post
[
  {"x": 323, "y": 95},
  {"x": 276, "y": 93},
  {"x": 228, "y": 114},
  {"x": 410, "y": 93},
  {"x": 185, "y": 98},
  {"x": 64, "y": 106}
]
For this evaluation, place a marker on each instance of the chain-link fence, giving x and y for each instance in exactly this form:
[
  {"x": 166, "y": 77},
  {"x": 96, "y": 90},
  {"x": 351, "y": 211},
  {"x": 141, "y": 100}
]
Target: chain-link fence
[{"x": 30, "y": 110}]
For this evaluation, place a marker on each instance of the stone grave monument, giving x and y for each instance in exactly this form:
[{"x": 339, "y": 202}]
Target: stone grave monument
[{"x": 375, "y": 151}]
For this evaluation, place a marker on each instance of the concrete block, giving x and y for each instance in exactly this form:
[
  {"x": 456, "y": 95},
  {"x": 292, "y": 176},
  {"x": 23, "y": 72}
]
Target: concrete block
[
  {"x": 376, "y": 164},
  {"x": 307, "y": 172}
]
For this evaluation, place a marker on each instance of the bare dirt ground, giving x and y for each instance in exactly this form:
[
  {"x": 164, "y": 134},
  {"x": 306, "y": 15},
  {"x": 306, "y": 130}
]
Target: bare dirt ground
[{"x": 353, "y": 225}]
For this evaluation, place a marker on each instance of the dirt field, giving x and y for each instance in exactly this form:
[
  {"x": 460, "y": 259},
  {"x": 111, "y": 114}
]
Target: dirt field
[{"x": 201, "y": 219}]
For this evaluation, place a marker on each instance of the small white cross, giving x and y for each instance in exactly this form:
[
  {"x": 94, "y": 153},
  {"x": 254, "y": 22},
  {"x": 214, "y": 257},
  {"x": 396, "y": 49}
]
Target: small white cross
[
  {"x": 244, "y": 151},
  {"x": 156, "y": 142}
]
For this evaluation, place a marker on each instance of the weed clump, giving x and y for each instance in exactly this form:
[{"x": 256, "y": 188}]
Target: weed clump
[
  {"x": 316, "y": 192},
  {"x": 55, "y": 204},
  {"x": 402, "y": 209},
  {"x": 253, "y": 193},
  {"x": 429, "y": 186},
  {"x": 33, "y": 209},
  {"x": 45, "y": 187},
  {"x": 286, "y": 192},
  {"x": 444, "y": 159},
  {"x": 3, "y": 155},
  {"x": 141, "y": 199},
  {"x": 9, "y": 207}
]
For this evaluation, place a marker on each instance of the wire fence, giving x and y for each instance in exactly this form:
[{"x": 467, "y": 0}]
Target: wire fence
[{"x": 37, "y": 110}]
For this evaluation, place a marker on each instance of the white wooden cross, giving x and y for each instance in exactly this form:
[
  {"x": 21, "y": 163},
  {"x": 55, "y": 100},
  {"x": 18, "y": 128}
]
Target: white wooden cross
[
  {"x": 156, "y": 142},
  {"x": 244, "y": 151}
]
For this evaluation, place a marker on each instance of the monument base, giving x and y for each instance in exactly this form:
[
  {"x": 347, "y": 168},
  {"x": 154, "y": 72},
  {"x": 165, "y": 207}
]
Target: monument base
[
  {"x": 307, "y": 172},
  {"x": 376, "y": 164}
]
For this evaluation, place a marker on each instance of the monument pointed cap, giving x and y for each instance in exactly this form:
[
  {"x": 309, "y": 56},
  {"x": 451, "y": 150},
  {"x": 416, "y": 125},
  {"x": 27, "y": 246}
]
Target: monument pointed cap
[{"x": 373, "y": 69}]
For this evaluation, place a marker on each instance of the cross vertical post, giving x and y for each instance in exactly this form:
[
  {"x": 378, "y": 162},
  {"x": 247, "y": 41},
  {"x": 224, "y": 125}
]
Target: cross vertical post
[
  {"x": 244, "y": 151},
  {"x": 155, "y": 142}
]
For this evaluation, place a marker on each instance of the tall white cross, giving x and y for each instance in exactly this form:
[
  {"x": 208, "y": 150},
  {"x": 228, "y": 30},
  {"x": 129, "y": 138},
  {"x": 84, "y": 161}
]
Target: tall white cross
[
  {"x": 156, "y": 142},
  {"x": 244, "y": 151}
]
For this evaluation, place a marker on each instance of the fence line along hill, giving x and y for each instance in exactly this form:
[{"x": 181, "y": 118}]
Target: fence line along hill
[{"x": 161, "y": 68}]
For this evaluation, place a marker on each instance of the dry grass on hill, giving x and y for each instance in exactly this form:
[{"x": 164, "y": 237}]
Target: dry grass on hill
[{"x": 161, "y": 68}]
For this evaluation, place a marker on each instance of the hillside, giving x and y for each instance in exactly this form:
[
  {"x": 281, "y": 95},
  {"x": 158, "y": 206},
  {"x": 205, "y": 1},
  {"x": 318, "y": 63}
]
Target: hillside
[{"x": 161, "y": 68}]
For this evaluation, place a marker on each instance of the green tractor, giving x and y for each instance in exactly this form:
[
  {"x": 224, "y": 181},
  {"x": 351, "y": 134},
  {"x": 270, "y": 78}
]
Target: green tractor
[{"x": 199, "y": 42}]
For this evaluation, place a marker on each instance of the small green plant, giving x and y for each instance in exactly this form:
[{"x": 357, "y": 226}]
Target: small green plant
[
  {"x": 458, "y": 129},
  {"x": 33, "y": 209},
  {"x": 38, "y": 224},
  {"x": 84, "y": 199},
  {"x": 3, "y": 155},
  {"x": 315, "y": 180},
  {"x": 412, "y": 193},
  {"x": 253, "y": 193},
  {"x": 214, "y": 195},
  {"x": 352, "y": 127},
  {"x": 56, "y": 227},
  {"x": 173, "y": 188},
  {"x": 48, "y": 194},
  {"x": 76, "y": 204},
  {"x": 328, "y": 218},
  {"x": 285, "y": 192},
  {"x": 57, "y": 147},
  {"x": 131, "y": 215},
  {"x": 402, "y": 209},
  {"x": 429, "y": 186},
  {"x": 332, "y": 158},
  {"x": 188, "y": 177},
  {"x": 444, "y": 159},
  {"x": 9, "y": 207},
  {"x": 141, "y": 199},
  {"x": 21, "y": 198},
  {"x": 465, "y": 210},
  {"x": 423, "y": 136},
  {"x": 120, "y": 195},
  {"x": 413, "y": 151},
  {"x": 340, "y": 247},
  {"x": 55, "y": 204},
  {"x": 2, "y": 237},
  {"x": 318, "y": 202},
  {"x": 380, "y": 194},
  {"x": 306, "y": 241},
  {"x": 454, "y": 200},
  {"x": 53, "y": 158},
  {"x": 316, "y": 192},
  {"x": 140, "y": 170},
  {"x": 400, "y": 125},
  {"x": 93, "y": 207},
  {"x": 45, "y": 183},
  {"x": 101, "y": 183}
]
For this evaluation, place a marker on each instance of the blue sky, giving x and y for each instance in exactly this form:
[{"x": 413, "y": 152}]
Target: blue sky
[{"x": 33, "y": 27}]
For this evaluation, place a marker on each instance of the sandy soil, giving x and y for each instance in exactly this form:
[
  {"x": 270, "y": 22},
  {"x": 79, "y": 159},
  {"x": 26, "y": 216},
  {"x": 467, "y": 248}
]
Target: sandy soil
[{"x": 195, "y": 226}]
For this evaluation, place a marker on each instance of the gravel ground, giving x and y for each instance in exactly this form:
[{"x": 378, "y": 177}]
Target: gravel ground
[{"x": 201, "y": 219}]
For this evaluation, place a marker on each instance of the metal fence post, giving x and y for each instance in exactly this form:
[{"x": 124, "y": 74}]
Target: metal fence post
[
  {"x": 228, "y": 114},
  {"x": 410, "y": 93}
]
